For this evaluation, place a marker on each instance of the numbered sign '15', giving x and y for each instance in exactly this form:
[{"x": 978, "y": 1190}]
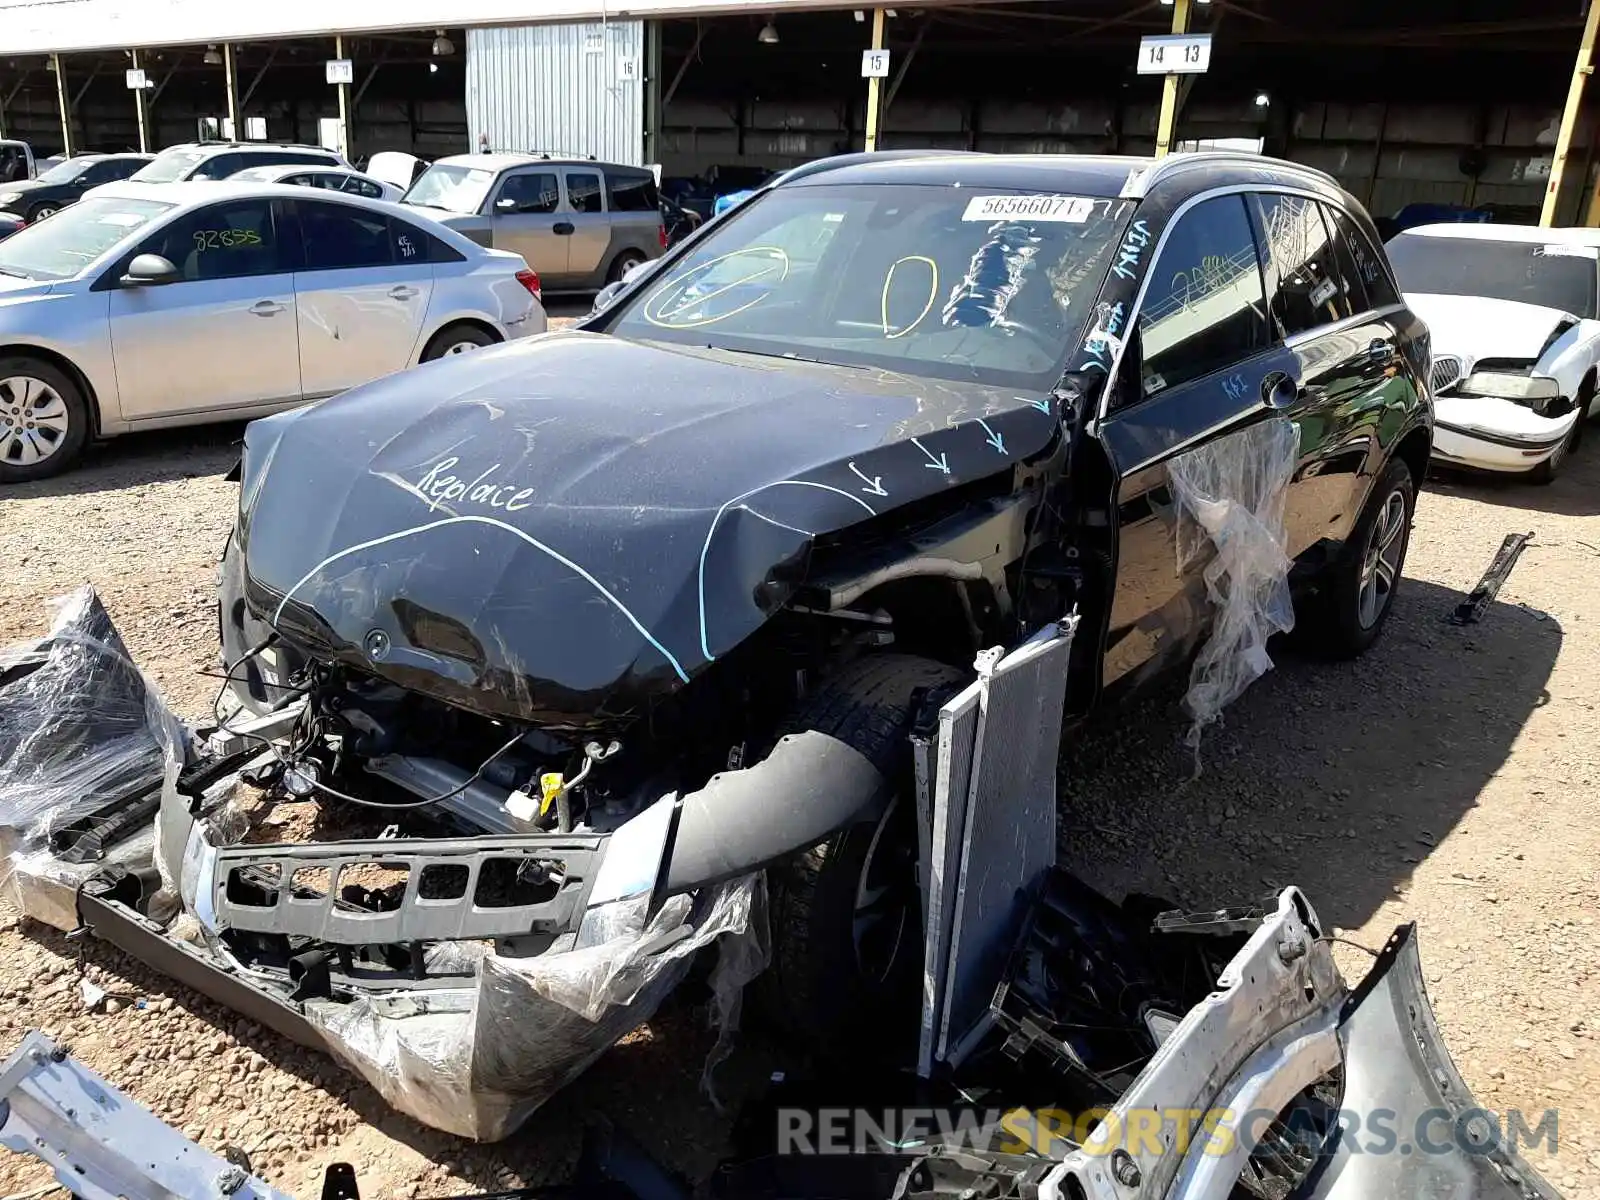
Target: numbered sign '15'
[
  {"x": 874, "y": 64},
  {"x": 1175, "y": 54}
]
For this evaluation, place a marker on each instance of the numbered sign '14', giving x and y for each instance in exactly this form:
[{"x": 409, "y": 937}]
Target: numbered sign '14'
[{"x": 1175, "y": 54}]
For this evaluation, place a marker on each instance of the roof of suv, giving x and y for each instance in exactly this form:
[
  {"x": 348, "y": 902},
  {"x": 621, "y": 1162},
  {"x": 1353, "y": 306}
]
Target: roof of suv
[
  {"x": 1090, "y": 174},
  {"x": 499, "y": 160}
]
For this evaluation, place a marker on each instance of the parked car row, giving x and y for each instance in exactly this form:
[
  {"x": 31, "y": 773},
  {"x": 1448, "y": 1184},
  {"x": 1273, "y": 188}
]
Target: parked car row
[{"x": 147, "y": 305}]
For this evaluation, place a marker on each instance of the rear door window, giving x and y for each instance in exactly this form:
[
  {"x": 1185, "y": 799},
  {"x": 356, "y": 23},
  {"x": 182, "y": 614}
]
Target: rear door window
[
  {"x": 340, "y": 236},
  {"x": 629, "y": 192},
  {"x": 1308, "y": 290},
  {"x": 219, "y": 166},
  {"x": 583, "y": 192},
  {"x": 1358, "y": 256},
  {"x": 1205, "y": 308}
]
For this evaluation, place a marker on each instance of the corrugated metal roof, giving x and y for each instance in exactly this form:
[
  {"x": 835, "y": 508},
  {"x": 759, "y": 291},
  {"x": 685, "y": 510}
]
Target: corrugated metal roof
[{"x": 573, "y": 90}]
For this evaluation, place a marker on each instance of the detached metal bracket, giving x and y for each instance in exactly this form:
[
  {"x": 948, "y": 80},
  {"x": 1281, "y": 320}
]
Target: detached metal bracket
[
  {"x": 1471, "y": 610},
  {"x": 101, "y": 1144}
]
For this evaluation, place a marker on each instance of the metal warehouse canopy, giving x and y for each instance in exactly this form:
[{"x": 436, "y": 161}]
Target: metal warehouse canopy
[{"x": 68, "y": 26}]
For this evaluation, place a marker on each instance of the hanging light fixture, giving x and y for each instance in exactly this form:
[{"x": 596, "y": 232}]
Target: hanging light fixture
[
  {"x": 768, "y": 35},
  {"x": 443, "y": 47},
  {"x": 213, "y": 56}
]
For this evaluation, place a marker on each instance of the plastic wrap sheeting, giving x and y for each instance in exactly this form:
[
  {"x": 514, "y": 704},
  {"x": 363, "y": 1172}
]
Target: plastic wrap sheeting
[
  {"x": 79, "y": 725},
  {"x": 1231, "y": 495},
  {"x": 481, "y": 1060}
]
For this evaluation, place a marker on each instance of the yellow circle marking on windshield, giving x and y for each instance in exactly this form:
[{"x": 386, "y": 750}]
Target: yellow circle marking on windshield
[
  {"x": 933, "y": 291},
  {"x": 665, "y": 319}
]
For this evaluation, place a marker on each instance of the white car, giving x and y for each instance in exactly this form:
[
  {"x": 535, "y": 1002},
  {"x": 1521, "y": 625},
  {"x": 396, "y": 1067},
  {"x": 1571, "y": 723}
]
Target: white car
[
  {"x": 1516, "y": 342},
  {"x": 332, "y": 179},
  {"x": 145, "y": 306}
]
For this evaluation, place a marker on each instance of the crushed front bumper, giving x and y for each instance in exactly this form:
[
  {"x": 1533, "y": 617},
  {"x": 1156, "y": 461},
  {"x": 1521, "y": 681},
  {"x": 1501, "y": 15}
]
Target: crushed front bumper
[{"x": 1489, "y": 434}]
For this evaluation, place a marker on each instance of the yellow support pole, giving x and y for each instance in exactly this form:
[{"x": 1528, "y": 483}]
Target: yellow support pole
[
  {"x": 61, "y": 98},
  {"x": 141, "y": 112},
  {"x": 1169, "y": 86},
  {"x": 874, "y": 85},
  {"x": 1569, "y": 115}
]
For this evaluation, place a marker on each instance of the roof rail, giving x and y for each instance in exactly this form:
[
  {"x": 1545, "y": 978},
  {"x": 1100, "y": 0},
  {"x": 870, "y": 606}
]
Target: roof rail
[{"x": 1140, "y": 182}]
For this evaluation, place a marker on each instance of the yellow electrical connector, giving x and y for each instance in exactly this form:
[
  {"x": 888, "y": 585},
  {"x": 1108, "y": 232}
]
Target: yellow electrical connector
[{"x": 551, "y": 785}]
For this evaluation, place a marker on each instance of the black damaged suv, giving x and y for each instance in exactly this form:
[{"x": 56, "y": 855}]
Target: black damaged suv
[{"x": 888, "y": 412}]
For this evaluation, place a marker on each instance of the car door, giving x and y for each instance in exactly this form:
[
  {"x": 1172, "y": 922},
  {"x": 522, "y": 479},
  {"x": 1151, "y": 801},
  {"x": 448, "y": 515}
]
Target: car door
[
  {"x": 591, "y": 226},
  {"x": 222, "y": 336},
  {"x": 1200, "y": 364},
  {"x": 360, "y": 296},
  {"x": 1335, "y": 307},
  {"x": 525, "y": 211}
]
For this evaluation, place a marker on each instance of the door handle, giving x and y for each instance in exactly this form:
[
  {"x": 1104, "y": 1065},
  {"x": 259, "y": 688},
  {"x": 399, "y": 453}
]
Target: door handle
[
  {"x": 266, "y": 308},
  {"x": 1380, "y": 348},
  {"x": 1279, "y": 390},
  {"x": 563, "y": 228},
  {"x": 402, "y": 292}
]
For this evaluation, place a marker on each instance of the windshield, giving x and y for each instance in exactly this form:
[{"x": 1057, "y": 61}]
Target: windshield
[
  {"x": 1531, "y": 272},
  {"x": 65, "y": 171},
  {"x": 74, "y": 237},
  {"x": 458, "y": 189},
  {"x": 169, "y": 165},
  {"x": 930, "y": 279}
]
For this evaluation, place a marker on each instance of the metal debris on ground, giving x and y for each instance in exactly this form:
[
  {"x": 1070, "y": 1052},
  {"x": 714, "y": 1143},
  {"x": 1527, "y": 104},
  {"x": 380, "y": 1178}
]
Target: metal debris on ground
[{"x": 1470, "y": 611}]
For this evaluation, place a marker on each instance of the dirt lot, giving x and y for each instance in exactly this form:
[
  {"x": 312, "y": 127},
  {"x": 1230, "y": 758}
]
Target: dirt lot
[{"x": 1451, "y": 778}]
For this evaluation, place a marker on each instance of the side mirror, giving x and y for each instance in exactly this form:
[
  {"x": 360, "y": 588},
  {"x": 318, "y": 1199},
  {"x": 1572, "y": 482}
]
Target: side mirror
[
  {"x": 606, "y": 295},
  {"x": 505, "y": 205},
  {"x": 149, "y": 270}
]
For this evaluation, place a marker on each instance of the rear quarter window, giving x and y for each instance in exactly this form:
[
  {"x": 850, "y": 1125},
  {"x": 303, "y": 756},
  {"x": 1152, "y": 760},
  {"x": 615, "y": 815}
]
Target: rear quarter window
[
  {"x": 632, "y": 193},
  {"x": 413, "y": 245}
]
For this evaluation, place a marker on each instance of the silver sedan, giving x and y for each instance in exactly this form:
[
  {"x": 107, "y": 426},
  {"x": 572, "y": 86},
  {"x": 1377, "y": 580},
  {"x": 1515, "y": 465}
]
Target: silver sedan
[{"x": 145, "y": 306}]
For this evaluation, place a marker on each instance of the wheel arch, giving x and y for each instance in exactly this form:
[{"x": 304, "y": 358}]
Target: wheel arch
[
  {"x": 471, "y": 321},
  {"x": 64, "y": 364},
  {"x": 1414, "y": 450}
]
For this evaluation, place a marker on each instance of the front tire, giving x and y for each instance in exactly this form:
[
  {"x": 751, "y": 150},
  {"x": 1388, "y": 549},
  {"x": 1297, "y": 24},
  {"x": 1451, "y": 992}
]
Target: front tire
[
  {"x": 1358, "y": 594},
  {"x": 460, "y": 338},
  {"x": 43, "y": 211},
  {"x": 846, "y": 914},
  {"x": 44, "y": 419}
]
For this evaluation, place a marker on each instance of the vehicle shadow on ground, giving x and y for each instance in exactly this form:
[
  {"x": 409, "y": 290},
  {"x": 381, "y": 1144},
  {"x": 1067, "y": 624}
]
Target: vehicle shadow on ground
[
  {"x": 1336, "y": 777},
  {"x": 1575, "y": 492},
  {"x": 158, "y": 456}
]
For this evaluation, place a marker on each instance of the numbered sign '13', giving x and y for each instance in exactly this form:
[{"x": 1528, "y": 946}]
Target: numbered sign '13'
[{"x": 1175, "y": 54}]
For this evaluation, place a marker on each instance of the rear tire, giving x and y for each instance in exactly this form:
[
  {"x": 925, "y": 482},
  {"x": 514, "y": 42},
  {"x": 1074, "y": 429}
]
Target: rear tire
[
  {"x": 44, "y": 419},
  {"x": 846, "y": 914},
  {"x": 459, "y": 338},
  {"x": 1357, "y": 594},
  {"x": 624, "y": 263}
]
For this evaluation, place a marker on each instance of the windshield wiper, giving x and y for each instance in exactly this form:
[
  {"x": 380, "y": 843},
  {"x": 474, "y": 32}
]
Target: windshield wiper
[
  {"x": 15, "y": 274},
  {"x": 786, "y": 357}
]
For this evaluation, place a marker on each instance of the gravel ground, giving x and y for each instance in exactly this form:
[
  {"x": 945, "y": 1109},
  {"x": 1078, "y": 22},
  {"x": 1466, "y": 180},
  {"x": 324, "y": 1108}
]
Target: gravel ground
[{"x": 1451, "y": 778}]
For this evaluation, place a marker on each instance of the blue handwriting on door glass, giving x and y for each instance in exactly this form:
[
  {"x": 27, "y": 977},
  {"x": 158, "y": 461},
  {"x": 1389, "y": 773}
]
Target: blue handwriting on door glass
[{"x": 1235, "y": 387}]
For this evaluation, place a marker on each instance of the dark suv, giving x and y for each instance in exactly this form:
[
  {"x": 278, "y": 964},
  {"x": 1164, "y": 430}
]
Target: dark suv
[{"x": 727, "y": 540}]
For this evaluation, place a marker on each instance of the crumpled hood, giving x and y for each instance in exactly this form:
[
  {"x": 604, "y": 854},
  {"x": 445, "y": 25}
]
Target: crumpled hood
[
  {"x": 575, "y": 520},
  {"x": 1476, "y": 327}
]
